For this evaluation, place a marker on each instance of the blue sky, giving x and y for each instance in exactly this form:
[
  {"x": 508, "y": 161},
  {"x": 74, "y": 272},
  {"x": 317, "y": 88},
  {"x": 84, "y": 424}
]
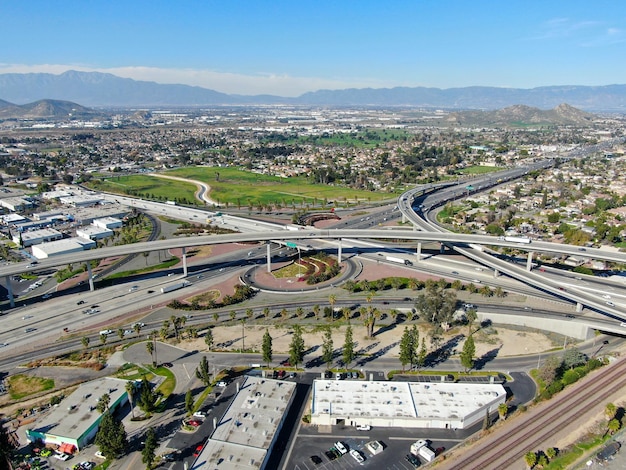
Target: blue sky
[{"x": 290, "y": 47}]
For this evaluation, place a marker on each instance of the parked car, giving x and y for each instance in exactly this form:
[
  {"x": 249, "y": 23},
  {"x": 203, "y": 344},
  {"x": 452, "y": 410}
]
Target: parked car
[
  {"x": 194, "y": 422},
  {"x": 100, "y": 455},
  {"x": 413, "y": 460},
  {"x": 316, "y": 459},
  {"x": 357, "y": 455},
  {"x": 199, "y": 414},
  {"x": 198, "y": 450},
  {"x": 221, "y": 383},
  {"x": 341, "y": 447},
  {"x": 363, "y": 427},
  {"x": 62, "y": 456}
]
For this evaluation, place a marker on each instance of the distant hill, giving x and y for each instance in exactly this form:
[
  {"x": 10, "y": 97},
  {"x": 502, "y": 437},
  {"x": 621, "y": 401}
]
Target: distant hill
[
  {"x": 521, "y": 115},
  {"x": 44, "y": 109},
  {"x": 107, "y": 90}
]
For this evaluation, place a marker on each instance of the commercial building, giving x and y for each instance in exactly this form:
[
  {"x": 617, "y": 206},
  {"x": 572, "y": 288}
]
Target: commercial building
[
  {"x": 443, "y": 405},
  {"x": 35, "y": 237},
  {"x": 93, "y": 233},
  {"x": 74, "y": 422},
  {"x": 108, "y": 222},
  {"x": 62, "y": 247},
  {"x": 246, "y": 434}
]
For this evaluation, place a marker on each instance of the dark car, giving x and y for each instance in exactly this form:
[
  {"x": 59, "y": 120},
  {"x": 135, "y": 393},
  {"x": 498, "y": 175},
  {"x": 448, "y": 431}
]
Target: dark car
[
  {"x": 80, "y": 302},
  {"x": 331, "y": 455},
  {"x": 316, "y": 459},
  {"x": 413, "y": 460},
  {"x": 167, "y": 364}
]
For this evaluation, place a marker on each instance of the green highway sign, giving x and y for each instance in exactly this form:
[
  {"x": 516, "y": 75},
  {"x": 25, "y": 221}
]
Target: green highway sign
[{"x": 290, "y": 244}]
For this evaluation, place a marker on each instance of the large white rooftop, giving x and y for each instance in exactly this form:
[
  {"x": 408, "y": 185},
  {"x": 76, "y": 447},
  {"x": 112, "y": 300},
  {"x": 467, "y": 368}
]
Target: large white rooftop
[
  {"x": 245, "y": 433},
  {"x": 402, "y": 403}
]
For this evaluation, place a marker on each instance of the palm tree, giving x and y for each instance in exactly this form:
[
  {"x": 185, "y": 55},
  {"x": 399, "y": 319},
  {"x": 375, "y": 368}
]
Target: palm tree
[
  {"x": 332, "y": 299},
  {"x": 130, "y": 390}
]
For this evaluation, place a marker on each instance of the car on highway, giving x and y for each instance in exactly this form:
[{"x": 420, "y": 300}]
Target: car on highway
[
  {"x": 46, "y": 296},
  {"x": 610, "y": 304},
  {"x": 80, "y": 302},
  {"x": 128, "y": 332}
]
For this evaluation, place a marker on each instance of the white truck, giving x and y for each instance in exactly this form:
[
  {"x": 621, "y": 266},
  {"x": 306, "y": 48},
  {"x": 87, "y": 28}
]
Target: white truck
[
  {"x": 515, "y": 239},
  {"x": 420, "y": 449},
  {"x": 171, "y": 287},
  {"x": 399, "y": 260}
]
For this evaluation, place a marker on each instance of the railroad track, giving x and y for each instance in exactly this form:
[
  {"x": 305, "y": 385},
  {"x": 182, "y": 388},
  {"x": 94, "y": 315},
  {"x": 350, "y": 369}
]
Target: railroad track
[{"x": 535, "y": 428}]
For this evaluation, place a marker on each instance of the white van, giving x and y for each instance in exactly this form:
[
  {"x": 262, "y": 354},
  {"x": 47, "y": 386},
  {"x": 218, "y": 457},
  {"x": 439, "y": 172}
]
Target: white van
[{"x": 106, "y": 332}]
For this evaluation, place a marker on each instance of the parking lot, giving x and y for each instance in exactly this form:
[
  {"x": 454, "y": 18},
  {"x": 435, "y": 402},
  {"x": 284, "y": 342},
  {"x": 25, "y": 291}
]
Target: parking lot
[{"x": 312, "y": 441}]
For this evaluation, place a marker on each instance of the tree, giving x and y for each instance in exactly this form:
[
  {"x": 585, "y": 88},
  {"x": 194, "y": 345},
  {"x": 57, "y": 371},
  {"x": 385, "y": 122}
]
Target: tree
[
  {"x": 203, "y": 371},
  {"x": 147, "y": 398},
  {"x": 85, "y": 342},
  {"x": 613, "y": 426},
  {"x": 503, "y": 410},
  {"x": 316, "y": 311},
  {"x": 348, "y": 353},
  {"x": 486, "y": 421},
  {"x": 531, "y": 459},
  {"x": 6, "y": 448},
  {"x": 137, "y": 327},
  {"x": 296, "y": 347},
  {"x": 208, "y": 339},
  {"x": 103, "y": 403},
  {"x": 299, "y": 312},
  {"x": 332, "y": 299},
  {"x": 467, "y": 355},
  {"x": 436, "y": 304},
  {"x": 103, "y": 339},
  {"x": 421, "y": 355},
  {"x": 130, "y": 391},
  {"x": 189, "y": 402},
  {"x": 148, "y": 453},
  {"x": 111, "y": 436},
  {"x": 552, "y": 452},
  {"x": 471, "y": 317},
  {"x": 609, "y": 410},
  {"x": 150, "y": 349},
  {"x": 406, "y": 348},
  {"x": 120, "y": 333},
  {"x": 266, "y": 347},
  {"x": 327, "y": 347}
]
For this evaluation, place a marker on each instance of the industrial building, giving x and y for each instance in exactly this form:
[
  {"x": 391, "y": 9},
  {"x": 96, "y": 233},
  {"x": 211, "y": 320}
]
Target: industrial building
[
  {"x": 73, "y": 423},
  {"x": 246, "y": 434},
  {"x": 62, "y": 247},
  {"x": 444, "y": 405},
  {"x": 108, "y": 222},
  {"x": 93, "y": 232},
  {"x": 35, "y": 237}
]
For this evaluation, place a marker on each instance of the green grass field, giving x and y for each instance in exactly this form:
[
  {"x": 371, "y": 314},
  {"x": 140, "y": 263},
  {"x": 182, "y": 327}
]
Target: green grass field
[
  {"x": 244, "y": 188},
  {"x": 147, "y": 187},
  {"x": 235, "y": 187},
  {"x": 479, "y": 170}
]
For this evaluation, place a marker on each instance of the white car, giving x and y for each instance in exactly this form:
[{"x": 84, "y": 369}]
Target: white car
[
  {"x": 341, "y": 448},
  {"x": 357, "y": 456},
  {"x": 363, "y": 427},
  {"x": 100, "y": 455},
  {"x": 62, "y": 456},
  {"x": 199, "y": 414},
  {"x": 221, "y": 383}
]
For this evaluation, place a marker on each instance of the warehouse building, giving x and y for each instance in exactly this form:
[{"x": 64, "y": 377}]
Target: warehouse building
[
  {"x": 94, "y": 233},
  {"x": 62, "y": 247},
  {"x": 35, "y": 237},
  {"x": 443, "y": 405},
  {"x": 245, "y": 436},
  {"x": 73, "y": 424}
]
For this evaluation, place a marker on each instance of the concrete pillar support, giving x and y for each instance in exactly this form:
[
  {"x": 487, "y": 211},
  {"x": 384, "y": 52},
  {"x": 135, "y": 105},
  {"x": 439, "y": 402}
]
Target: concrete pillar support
[
  {"x": 268, "y": 255},
  {"x": 90, "y": 277},
  {"x": 185, "y": 262},
  {"x": 529, "y": 261}
]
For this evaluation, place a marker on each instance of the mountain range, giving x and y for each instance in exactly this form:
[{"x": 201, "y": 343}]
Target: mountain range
[{"x": 97, "y": 89}]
